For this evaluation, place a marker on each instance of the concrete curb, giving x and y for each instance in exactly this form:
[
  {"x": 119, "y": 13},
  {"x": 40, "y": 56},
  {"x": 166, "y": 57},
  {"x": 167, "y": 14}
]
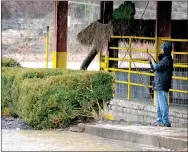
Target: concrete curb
[{"x": 137, "y": 137}]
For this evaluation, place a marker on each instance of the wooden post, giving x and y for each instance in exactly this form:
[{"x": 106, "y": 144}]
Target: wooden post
[
  {"x": 163, "y": 18},
  {"x": 163, "y": 26},
  {"x": 60, "y": 34},
  {"x": 106, "y": 10}
]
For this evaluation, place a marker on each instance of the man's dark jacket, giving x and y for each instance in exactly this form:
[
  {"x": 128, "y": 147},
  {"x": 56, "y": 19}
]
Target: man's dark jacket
[{"x": 163, "y": 73}]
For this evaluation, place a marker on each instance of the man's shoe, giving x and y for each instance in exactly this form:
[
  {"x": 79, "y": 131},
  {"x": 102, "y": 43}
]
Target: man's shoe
[
  {"x": 156, "y": 124},
  {"x": 165, "y": 125}
]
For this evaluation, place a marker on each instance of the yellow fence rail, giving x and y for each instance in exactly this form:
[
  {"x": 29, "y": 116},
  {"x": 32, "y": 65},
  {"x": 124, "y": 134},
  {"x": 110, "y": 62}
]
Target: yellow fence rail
[
  {"x": 47, "y": 44},
  {"x": 129, "y": 70}
]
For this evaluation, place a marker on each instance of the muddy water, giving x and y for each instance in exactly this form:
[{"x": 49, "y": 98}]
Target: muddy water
[{"x": 19, "y": 140}]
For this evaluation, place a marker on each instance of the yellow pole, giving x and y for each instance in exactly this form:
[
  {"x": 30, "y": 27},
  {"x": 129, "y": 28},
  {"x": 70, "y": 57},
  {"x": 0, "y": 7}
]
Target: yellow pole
[
  {"x": 129, "y": 73},
  {"x": 99, "y": 58},
  {"x": 47, "y": 37},
  {"x": 158, "y": 43},
  {"x": 106, "y": 61},
  {"x": 155, "y": 57},
  {"x": 106, "y": 57}
]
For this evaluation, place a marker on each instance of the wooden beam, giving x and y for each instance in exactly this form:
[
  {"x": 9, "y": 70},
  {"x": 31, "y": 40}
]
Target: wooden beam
[
  {"x": 62, "y": 16},
  {"x": 106, "y": 10},
  {"x": 163, "y": 18},
  {"x": 60, "y": 34},
  {"x": 162, "y": 27}
]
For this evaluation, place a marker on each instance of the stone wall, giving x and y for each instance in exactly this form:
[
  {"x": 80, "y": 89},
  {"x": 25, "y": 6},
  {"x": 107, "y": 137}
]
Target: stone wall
[{"x": 144, "y": 112}]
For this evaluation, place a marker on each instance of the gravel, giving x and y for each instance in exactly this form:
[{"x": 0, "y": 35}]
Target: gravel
[
  {"x": 18, "y": 124},
  {"x": 14, "y": 124}
]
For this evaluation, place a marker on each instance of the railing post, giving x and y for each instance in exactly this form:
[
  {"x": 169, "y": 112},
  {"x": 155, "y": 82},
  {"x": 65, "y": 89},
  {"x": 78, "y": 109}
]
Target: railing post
[
  {"x": 106, "y": 57},
  {"x": 129, "y": 73},
  {"x": 155, "y": 57},
  {"x": 100, "y": 60},
  {"x": 47, "y": 38},
  {"x": 106, "y": 61},
  {"x": 158, "y": 43}
]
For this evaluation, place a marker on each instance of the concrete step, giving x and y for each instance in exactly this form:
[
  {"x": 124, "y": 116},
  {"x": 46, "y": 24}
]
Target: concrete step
[
  {"x": 129, "y": 146},
  {"x": 157, "y": 137}
]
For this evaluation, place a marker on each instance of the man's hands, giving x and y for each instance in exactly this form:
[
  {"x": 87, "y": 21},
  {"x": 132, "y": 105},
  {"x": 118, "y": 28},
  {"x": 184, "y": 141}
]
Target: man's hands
[{"x": 150, "y": 57}]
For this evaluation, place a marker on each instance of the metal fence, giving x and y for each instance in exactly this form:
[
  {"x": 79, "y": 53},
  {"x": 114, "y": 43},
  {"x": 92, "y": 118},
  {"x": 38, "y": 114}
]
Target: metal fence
[
  {"x": 133, "y": 76},
  {"x": 179, "y": 93}
]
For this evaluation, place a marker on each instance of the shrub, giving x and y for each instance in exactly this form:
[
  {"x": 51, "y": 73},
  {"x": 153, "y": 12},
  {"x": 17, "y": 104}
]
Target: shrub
[
  {"x": 55, "y": 101},
  {"x": 51, "y": 98},
  {"x": 7, "y": 79},
  {"x": 32, "y": 74},
  {"x": 12, "y": 79},
  {"x": 9, "y": 62}
]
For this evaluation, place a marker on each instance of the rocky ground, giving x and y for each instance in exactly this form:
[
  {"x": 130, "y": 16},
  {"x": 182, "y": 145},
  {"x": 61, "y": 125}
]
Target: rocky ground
[
  {"x": 11, "y": 123},
  {"x": 78, "y": 126},
  {"x": 14, "y": 124}
]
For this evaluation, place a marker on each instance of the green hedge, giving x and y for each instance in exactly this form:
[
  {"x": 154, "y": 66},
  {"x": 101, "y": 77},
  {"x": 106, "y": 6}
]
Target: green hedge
[
  {"x": 12, "y": 79},
  {"x": 9, "y": 62},
  {"x": 7, "y": 80},
  {"x": 51, "y": 98}
]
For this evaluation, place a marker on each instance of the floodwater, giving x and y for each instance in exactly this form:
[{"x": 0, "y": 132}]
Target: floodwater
[
  {"x": 75, "y": 65},
  {"x": 70, "y": 65},
  {"x": 32, "y": 140}
]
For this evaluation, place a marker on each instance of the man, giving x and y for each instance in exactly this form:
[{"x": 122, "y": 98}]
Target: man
[{"x": 162, "y": 82}]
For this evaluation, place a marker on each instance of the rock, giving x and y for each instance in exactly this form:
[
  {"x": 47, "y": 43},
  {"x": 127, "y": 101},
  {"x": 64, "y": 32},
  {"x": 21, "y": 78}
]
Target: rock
[
  {"x": 60, "y": 129},
  {"x": 81, "y": 125},
  {"x": 100, "y": 121},
  {"x": 14, "y": 124},
  {"x": 9, "y": 123},
  {"x": 17, "y": 128},
  {"x": 10, "y": 119},
  {"x": 76, "y": 129}
]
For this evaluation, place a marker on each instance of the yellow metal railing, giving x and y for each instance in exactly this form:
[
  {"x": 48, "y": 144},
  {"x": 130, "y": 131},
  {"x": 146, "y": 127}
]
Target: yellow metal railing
[
  {"x": 47, "y": 44},
  {"x": 130, "y": 61}
]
